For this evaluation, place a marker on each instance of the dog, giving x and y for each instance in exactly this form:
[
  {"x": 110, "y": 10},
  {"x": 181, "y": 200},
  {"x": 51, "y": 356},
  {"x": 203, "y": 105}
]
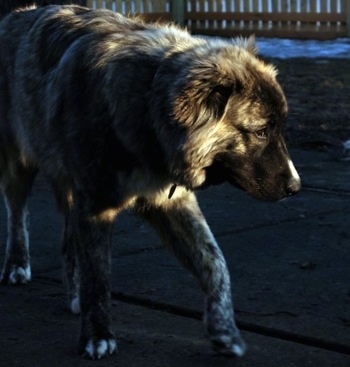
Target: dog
[{"x": 122, "y": 114}]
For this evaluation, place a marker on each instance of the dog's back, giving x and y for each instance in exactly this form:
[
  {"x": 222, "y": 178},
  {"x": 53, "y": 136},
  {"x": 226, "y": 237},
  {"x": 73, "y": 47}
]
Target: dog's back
[
  {"x": 34, "y": 42},
  {"x": 64, "y": 55}
]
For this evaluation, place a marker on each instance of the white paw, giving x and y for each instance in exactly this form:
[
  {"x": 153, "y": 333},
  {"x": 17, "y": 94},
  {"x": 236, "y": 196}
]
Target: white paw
[
  {"x": 97, "y": 349},
  {"x": 238, "y": 350},
  {"x": 75, "y": 305},
  {"x": 229, "y": 346},
  {"x": 19, "y": 275}
]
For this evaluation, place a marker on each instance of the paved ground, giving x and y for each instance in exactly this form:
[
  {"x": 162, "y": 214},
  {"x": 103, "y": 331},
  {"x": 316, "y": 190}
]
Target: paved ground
[
  {"x": 317, "y": 92},
  {"x": 290, "y": 265}
]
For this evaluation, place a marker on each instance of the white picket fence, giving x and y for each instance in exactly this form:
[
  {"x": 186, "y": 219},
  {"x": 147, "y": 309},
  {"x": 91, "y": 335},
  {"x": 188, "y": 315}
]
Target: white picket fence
[
  {"x": 319, "y": 19},
  {"x": 152, "y": 10},
  {"x": 132, "y": 6}
]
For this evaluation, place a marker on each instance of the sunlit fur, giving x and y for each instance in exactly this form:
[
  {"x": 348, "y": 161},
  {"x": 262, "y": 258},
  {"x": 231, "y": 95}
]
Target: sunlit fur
[{"x": 122, "y": 114}]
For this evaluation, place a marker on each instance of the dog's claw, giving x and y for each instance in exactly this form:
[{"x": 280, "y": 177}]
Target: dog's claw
[
  {"x": 229, "y": 346},
  {"x": 98, "y": 349},
  {"x": 75, "y": 305}
]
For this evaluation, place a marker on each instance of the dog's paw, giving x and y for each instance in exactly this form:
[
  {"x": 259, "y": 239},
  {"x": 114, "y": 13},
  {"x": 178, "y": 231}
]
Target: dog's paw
[
  {"x": 231, "y": 346},
  {"x": 17, "y": 275},
  {"x": 97, "y": 349},
  {"x": 75, "y": 305}
]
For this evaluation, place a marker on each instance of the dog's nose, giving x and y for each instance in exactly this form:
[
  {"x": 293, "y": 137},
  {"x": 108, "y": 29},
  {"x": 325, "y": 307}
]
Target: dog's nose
[{"x": 294, "y": 186}]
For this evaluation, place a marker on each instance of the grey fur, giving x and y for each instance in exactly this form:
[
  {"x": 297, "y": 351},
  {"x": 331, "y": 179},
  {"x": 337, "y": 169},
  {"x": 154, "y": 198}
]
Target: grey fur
[{"x": 122, "y": 114}]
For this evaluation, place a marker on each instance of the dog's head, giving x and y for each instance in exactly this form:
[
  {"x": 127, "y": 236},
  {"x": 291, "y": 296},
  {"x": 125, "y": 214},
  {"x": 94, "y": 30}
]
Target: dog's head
[{"x": 225, "y": 114}]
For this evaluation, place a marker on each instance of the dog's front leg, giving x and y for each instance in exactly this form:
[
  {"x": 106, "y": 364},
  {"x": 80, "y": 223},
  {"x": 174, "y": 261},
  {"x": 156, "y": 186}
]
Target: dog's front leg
[
  {"x": 92, "y": 241},
  {"x": 184, "y": 229}
]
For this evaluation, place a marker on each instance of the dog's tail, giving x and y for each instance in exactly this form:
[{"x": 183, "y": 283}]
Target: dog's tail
[{"x": 7, "y": 6}]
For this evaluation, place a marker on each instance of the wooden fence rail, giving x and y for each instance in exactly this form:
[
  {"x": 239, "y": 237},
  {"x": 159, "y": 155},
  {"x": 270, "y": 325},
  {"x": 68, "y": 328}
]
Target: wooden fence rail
[
  {"x": 318, "y": 19},
  {"x": 152, "y": 10}
]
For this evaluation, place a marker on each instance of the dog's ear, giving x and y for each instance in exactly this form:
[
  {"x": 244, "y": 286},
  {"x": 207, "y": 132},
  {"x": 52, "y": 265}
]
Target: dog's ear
[
  {"x": 219, "y": 95},
  {"x": 248, "y": 43},
  {"x": 205, "y": 100}
]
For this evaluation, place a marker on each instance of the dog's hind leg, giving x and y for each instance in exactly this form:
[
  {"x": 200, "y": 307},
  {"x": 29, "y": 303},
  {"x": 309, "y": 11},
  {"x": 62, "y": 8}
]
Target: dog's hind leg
[
  {"x": 16, "y": 185},
  {"x": 183, "y": 228},
  {"x": 71, "y": 276}
]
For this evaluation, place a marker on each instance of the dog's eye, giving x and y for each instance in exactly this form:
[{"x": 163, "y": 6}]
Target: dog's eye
[{"x": 261, "y": 134}]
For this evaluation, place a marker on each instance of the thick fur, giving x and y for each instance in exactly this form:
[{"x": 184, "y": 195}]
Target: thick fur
[
  {"x": 6, "y": 6},
  {"x": 122, "y": 114}
]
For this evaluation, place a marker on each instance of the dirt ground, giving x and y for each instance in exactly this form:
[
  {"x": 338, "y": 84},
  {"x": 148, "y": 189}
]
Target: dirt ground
[{"x": 318, "y": 94}]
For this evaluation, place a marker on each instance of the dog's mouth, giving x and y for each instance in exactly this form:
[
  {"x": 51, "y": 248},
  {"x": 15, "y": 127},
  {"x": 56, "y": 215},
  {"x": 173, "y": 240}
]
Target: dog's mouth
[
  {"x": 268, "y": 189},
  {"x": 217, "y": 174}
]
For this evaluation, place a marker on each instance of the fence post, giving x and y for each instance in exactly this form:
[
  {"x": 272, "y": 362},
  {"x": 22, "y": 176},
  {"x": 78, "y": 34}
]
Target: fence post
[{"x": 178, "y": 10}]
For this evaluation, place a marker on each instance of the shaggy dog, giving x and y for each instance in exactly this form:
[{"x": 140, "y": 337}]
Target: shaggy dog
[{"x": 119, "y": 114}]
